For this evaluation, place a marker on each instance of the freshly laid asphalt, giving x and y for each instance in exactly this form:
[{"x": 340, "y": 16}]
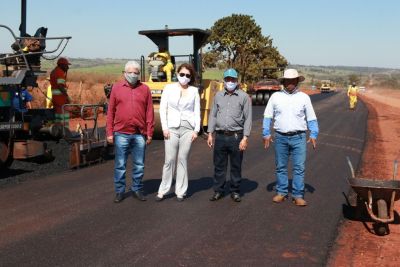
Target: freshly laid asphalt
[{"x": 69, "y": 219}]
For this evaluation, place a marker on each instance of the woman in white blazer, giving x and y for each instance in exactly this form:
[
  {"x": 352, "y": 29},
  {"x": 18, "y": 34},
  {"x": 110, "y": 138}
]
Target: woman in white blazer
[{"x": 180, "y": 121}]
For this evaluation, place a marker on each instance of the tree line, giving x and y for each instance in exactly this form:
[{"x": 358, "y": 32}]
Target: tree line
[{"x": 237, "y": 41}]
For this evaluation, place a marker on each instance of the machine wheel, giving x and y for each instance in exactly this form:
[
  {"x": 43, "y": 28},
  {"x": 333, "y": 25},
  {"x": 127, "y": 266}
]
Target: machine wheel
[
  {"x": 266, "y": 98},
  {"x": 260, "y": 98},
  {"x": 5, "y": 158},
  {"x": 254, "y": 99}
]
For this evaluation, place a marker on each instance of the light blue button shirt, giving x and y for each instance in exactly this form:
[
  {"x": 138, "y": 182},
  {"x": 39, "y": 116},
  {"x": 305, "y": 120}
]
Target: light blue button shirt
[{"x": 291, "y": 112}]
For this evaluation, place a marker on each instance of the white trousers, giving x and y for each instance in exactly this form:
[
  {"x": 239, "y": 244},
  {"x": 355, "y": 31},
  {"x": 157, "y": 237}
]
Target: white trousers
[{"x": 177, "y": 149}]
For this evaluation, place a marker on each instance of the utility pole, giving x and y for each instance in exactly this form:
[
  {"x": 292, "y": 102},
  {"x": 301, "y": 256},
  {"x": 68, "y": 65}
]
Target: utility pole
[{"x": 22, "y": 27}]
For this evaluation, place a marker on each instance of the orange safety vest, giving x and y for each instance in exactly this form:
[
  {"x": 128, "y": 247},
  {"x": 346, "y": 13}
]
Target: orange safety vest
[{"x": 57, "y": 81}]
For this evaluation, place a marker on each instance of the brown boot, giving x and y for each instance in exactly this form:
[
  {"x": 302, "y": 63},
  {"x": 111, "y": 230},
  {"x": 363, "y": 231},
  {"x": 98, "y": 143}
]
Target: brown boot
[
  {"x": 299, "y": 202},
  {"x": 278, "y": 198}
]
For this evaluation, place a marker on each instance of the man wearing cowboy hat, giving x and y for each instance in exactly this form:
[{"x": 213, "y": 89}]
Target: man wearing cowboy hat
[{"x": 293, "y": 113}]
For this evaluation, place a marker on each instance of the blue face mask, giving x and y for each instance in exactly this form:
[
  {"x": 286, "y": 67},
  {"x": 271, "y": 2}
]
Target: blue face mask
[{"x": 230, "y": 86}]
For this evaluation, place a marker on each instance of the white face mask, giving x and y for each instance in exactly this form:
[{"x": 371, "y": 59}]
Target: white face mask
[
  {"x": 132, "y": 78},
  {"x": 183, "y": 80},
  {"x": 230, "y": 86}
]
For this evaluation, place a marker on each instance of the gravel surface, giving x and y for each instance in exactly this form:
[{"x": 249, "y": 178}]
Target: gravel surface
[{"x": 20, "y": 170}]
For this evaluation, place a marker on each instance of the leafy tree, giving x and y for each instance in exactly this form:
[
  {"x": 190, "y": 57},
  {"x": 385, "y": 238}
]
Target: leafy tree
[
  {"x": 238, "y": 41},
  {"x": 354, "y": 78},
  {"x": 210, "y": 59}
]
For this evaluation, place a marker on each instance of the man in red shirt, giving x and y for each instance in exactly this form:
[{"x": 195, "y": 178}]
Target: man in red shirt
[{"x": 130, "y": 127}]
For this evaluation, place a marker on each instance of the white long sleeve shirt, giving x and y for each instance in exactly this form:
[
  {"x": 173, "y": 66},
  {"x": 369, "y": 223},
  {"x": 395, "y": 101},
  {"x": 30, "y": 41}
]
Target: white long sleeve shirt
[{"x": 174, "y": 107}]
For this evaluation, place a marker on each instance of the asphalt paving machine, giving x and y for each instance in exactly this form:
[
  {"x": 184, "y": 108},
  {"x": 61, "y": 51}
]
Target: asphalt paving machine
[{"x": 23, "y": 134}]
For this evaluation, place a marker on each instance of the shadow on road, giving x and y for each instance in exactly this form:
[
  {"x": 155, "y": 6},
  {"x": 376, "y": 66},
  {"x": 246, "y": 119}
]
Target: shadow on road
[
  {"x": 12, "y": 172},
  {"x": 198, "y": 185},
  {"x": 151, "y": 186},
  {"x": 307, "y": 187},
  {"x": 248, "y": 186}
]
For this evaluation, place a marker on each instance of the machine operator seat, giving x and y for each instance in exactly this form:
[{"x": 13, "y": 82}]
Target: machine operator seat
[
  {"x": 161, "y": 67},
  {"x": 156, "y": 73}
]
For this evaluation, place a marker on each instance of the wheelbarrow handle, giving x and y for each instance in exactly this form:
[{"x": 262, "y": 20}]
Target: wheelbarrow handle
[{"x": 351, "y": 167}]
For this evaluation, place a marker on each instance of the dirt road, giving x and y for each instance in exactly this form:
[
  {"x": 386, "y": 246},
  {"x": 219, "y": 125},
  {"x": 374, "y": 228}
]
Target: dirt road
[{"x": 357, "y": 245}]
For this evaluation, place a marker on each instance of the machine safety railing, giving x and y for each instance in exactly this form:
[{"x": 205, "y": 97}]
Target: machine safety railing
[{"x": 63, "y": 41}]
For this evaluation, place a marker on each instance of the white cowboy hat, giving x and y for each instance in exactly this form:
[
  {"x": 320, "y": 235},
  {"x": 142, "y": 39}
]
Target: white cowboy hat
[{"x": 291, "y": 74}]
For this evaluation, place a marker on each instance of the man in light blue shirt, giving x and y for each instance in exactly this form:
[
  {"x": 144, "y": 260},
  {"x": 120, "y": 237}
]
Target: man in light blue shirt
[{"x": 293, "y": 114}]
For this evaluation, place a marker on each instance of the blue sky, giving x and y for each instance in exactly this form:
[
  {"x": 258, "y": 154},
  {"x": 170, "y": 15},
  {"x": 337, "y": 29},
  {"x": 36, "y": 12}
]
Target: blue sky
[{"x": 309, "y": 32}]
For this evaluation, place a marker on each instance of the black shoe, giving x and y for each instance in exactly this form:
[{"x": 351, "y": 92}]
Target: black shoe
[
  {"x": 158, "y": 199},
  {"x": 217, "y": 196},
  {"x": 236, "y": 197},
  {"x": 138, "y": 195},
  {"x": 119, "y": 197}
]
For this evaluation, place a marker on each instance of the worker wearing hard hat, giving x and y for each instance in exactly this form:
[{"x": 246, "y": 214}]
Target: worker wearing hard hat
[
  {"x": 352, "y": 92},
  {"x": 59, "y": 90}
]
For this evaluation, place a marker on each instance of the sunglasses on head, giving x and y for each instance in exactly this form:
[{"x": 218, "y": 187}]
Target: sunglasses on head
[{"x": 185, "y": 74}]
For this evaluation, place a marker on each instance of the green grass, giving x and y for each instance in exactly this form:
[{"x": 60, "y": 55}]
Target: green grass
[
  {"x": 113, "y": 69},
  {"x": 213, "y": 74}
]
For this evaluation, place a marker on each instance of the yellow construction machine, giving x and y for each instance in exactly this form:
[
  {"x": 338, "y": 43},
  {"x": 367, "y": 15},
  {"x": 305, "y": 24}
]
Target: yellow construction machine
[
  {"x": 160, "y": 69},
  {"x": 326, "y": 86}
]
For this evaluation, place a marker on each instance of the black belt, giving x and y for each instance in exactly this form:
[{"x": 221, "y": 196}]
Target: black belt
[
  {"x": 228, "y": 132},
  {"x": 291, "y": 133}
]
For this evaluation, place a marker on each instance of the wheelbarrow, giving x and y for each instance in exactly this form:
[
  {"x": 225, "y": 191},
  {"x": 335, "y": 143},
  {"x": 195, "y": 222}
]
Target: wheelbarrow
[{"x": 378, "y": 196}]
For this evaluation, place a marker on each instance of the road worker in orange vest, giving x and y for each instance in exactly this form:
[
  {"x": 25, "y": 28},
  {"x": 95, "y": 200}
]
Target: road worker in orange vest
[{"x": 59, "y": 90}]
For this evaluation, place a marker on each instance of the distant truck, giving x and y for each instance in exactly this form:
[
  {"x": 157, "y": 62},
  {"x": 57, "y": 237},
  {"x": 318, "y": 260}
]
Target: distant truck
[
  {"x": 265, "y": 87},
  {"x": 326, "y": 86}
]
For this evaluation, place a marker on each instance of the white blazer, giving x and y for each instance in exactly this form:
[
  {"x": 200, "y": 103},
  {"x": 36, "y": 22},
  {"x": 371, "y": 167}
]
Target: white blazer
[{"x": 173, "y": 107}]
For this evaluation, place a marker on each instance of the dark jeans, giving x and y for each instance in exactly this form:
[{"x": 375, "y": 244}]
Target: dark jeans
[{"x": 227, "y": 146}]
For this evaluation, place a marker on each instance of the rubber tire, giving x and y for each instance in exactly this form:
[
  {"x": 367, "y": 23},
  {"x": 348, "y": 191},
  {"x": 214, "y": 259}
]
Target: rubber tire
[
  {"x": 266, "y": 98},
  {"x": 381, "y": 229},
  {"x": 254, "y": 99},
  {"x": 8, "y": 161},
  {"x": 260, "y": 97}
]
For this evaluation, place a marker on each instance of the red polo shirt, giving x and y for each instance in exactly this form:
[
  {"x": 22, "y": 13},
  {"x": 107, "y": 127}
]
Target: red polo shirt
[{"x": 130, "y": 109}]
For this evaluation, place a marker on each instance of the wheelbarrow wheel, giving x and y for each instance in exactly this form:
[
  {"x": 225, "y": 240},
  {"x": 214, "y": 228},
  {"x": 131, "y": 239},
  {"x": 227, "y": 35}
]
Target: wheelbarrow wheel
[{"x": 381, "y": 228}]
